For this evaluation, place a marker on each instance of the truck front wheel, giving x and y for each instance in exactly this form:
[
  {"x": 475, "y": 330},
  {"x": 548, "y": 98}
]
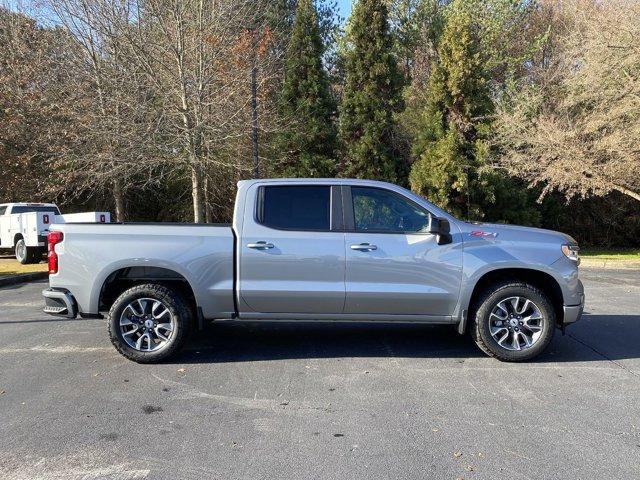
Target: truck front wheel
[
  {"x": 149, "y": 323},
  {"x": 513, "y": 321}
]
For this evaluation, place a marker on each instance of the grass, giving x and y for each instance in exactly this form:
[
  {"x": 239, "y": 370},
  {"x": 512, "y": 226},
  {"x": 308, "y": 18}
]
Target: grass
[
  {"x": 619, "y": 254},
  {"x": 10, "y": 266}
]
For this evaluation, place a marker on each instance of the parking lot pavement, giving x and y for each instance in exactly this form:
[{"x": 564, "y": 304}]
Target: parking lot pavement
[{"x": 307, "y": 401}]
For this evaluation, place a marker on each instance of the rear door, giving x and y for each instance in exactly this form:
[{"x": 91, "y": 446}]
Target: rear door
[
  {"x": 292, "y": 255},
  {"x": 393, "y": 266}
]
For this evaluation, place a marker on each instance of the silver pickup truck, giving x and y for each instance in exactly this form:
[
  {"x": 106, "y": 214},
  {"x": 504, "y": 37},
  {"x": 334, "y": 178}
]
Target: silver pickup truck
[{"x": 318, "y": 250}]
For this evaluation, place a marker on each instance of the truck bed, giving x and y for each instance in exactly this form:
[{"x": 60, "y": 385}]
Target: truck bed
[{"x": 200, "y": 253}]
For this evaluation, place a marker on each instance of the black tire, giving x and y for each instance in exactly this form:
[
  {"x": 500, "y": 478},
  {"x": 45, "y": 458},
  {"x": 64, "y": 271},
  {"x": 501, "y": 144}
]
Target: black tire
[
  {"x": 480, "y": 315},
  {"x": 34, "y": 255},
  {"x": 173, "y": 301}
]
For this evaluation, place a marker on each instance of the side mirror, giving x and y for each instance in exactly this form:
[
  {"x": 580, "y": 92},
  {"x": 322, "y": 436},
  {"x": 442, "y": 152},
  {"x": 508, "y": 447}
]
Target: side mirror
[{"x": 440, "y": 227}]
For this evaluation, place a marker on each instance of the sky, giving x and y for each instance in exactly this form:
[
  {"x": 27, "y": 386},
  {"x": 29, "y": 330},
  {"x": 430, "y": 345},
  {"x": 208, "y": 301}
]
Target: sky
[{"x": 344, "y": 7}]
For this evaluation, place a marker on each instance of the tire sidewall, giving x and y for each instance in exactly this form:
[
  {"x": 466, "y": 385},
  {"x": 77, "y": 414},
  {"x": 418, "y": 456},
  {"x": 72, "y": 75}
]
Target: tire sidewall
[
  {"x": 176, "y": 306},
  {"x": 511, "y": 290},
  {"x": 21, "y": 245}
]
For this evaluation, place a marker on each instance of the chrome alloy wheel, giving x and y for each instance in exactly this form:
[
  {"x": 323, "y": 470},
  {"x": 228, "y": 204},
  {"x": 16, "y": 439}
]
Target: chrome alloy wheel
[
  {"x": 146, "y": 324},
  {"x": 516, "y": 323}
]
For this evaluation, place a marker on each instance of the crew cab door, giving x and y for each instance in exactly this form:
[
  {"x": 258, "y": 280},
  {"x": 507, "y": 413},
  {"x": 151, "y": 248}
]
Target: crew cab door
[
  {"x": 393, "y": 266},
  {"x": 291, "y": 250}
]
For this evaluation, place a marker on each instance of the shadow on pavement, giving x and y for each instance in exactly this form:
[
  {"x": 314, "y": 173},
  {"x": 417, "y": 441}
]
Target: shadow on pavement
[{"x": 594, "y": 338}]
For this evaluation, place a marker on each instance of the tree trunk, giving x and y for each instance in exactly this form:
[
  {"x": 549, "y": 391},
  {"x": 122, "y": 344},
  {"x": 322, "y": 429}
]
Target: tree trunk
[
  {"x": 118, "y": 197},
  {"x": 254, "y": 119},
  {"x": 207, "y": 204},
  {"x": 196, "y": 193},
  {"x": 626, "y": 191}
]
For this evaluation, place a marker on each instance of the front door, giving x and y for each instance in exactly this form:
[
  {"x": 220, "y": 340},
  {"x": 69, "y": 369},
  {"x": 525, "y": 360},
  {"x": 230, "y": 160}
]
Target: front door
[
  {"x": 393, "y": 266},
  {"x": 292, "y": 255}
]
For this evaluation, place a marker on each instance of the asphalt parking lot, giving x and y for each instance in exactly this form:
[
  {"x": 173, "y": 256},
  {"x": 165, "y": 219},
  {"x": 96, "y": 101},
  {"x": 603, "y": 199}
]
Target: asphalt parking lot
[{"x": 304, "y": 401}]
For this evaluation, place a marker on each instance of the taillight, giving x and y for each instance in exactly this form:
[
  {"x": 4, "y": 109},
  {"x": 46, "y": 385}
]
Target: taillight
[{"x": 53, "y": 239}]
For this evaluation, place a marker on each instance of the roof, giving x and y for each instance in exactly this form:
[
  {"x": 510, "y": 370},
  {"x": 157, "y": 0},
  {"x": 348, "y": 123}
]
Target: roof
[
  {"x": 335, "y": 181},
  {"x": 28, "y": 204},
  {"x": 246, "y": 184}
]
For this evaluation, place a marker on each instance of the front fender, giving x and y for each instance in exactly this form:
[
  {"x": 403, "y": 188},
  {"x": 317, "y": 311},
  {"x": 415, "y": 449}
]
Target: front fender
[{"x": 486, "y": 255}]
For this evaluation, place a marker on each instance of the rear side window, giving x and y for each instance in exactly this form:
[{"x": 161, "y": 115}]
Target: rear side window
[
  {"x": 3, "y": 210},
  {"x": 29, "y": 209},
  {"x": 295, "y": 207}
]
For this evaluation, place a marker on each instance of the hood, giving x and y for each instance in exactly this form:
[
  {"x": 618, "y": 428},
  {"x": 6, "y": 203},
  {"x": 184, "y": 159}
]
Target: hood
[{"x": 505, "y": 232}]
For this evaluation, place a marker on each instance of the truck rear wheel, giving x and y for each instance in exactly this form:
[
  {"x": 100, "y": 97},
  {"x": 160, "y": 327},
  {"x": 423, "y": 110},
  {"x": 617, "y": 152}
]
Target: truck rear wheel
[
  {"x": 25, "y": 254},
  {"x": 513, "y": 322},
  {"x": 149, "y": 323}
]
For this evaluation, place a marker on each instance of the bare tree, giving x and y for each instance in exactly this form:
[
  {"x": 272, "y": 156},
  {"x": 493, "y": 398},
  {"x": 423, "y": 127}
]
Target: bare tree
[
  {"x": 577, "y": 129},
  {"x": 169, "y": 90},
  {"x": 115, "y": 122},
  {"x": 183, "y": 47}
]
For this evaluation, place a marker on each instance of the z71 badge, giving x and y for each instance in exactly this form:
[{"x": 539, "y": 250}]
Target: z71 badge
[{"x": 480, "y": 233}]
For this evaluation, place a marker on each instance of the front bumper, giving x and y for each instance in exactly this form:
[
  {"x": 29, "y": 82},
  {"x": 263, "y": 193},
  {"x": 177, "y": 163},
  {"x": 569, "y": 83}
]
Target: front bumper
[
  {"x": 573, "y": 313},
  {"x": 60, "y": 303}
]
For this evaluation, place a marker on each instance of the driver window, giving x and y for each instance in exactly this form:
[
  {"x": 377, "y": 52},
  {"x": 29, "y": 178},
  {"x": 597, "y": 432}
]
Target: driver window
[{"x": 378, "y": 210}]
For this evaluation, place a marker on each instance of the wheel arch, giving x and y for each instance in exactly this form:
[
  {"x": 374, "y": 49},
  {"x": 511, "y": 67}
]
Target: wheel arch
[
  {"x": 537, "y": 278},
  {"x": 126, "y": 277},
  {"x": 16, "y": 238}
]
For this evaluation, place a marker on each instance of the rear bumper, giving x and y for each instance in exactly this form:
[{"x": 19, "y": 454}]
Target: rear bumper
[
  {"x": 573, "y": 313},
  {"x": 60, "y": 303}
]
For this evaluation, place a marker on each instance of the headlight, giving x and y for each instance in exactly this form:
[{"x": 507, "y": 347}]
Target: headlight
[{"x": 572, "y": 252}]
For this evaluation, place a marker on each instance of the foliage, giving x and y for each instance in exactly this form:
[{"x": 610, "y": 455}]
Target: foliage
[
  {"x": 576, "y": 129},
  {"x": 470, "y": 49},
  {"x": 450, "y": 146},
  {"x": 36, "y": 92},
  {"x": 371, "y": 96},
  {"x": 146, "y": 108},
  {"x": 308, "y": 143}
]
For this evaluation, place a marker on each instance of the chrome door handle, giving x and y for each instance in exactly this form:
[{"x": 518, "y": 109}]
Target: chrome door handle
[
  {"x": 364, "y": 247},
  {"x": 262, "y": 245}
]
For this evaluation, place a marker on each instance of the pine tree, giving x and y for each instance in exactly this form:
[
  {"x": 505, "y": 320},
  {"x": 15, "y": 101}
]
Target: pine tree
[
  {"x": 451, "y": 147},
  {"x": 309, "y": 142},
  {"x": 372, "y": 95}
]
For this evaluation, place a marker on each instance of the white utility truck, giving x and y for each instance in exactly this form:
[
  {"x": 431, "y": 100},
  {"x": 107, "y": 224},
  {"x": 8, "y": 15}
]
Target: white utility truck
[{"x": 24, "y": 227}]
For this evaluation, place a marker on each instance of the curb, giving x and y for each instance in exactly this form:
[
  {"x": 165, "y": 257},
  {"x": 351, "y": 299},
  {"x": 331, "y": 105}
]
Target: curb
[{"x": 22, "y": 278}]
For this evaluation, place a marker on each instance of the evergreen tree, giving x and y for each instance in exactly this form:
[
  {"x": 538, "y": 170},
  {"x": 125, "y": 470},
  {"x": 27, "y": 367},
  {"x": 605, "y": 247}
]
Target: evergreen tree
[
  {"x": 372, "y": 94},
  {"x": 309, "y": 142},
  {"x": 451, "y": 147}
]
